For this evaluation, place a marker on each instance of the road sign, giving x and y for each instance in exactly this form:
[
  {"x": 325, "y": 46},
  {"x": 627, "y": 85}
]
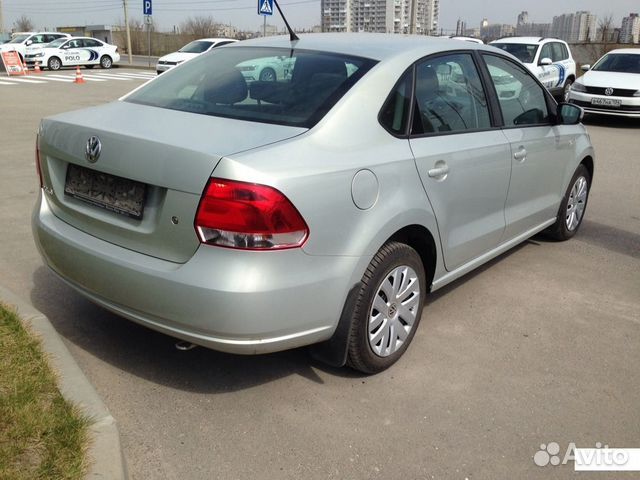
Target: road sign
[
  {"x": 148, "y": 20},
  {"x": 146, "y": 7},
  {"x": 265, "y": 7}
]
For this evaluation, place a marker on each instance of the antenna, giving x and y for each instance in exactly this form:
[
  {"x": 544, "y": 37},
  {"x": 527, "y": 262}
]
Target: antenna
[{"x": 292, "y": 34}]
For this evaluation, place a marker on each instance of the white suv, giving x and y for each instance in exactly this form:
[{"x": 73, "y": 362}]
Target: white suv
[
  {"x": 549, "y": 59},
  {"x": 21, "y": 41}
]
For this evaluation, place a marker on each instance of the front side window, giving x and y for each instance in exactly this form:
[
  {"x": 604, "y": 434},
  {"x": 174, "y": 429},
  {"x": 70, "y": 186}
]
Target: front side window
[
  {"x": 260, "y": 84},
  {"x": 546, "y": 52},
  {"x": 449, "y": 96},
  {"x": 527, "y": 105},
  {"x": 36, "y": 39}
]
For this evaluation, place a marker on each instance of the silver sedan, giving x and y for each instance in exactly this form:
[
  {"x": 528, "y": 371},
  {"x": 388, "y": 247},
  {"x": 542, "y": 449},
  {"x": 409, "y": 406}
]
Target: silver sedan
[{"x": 317, "y": 209}]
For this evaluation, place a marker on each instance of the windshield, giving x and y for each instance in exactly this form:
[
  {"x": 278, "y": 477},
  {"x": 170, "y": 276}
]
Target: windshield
[
  {"x": 271, "y": 85},
  {"x": 19, "y": 38},
  {"x": 196, "y": 47},
  {"x": 56, "y": 43},
  {"x": 526, "y": 53},
  {"x": 619, "y": 62}
]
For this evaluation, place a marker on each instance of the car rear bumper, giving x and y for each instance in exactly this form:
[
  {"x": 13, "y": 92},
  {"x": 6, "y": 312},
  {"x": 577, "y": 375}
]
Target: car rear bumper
[{"x": 229, "y": 300}]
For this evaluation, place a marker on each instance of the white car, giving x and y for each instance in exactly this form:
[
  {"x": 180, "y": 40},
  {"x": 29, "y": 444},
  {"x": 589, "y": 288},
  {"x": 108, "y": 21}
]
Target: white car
[
  {"x": 611, "y": 86},
  {"x": 69, "y": 52},
  {"x": 25, "y": 40},
  {"x": 190, "y": 51},
  {"x": 549, "y": 59}
]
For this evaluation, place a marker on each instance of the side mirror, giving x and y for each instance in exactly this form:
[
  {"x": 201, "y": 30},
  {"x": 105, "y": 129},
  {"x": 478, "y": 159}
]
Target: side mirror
[
  {"x": 546, "y": 61},
  {"x": 28, "y": 42},
  {"x": 569, "y": 114},
  {"x": 585, "y": 68}
]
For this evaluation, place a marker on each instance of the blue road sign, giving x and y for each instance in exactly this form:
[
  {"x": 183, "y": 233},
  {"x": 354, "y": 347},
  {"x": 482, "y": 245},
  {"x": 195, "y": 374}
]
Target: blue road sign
[
  {"x": 265, "y": 7},
  {"x": 146, "y": 7}
]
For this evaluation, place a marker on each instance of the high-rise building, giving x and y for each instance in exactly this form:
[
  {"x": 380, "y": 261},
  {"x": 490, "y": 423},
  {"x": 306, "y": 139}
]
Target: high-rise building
[
  {"x": 383, "y": 16},
  {"x": 630, "y": 30},
  {"x": 575, "y": 27},
  {"x": 523, "y": 18},
  {"x": 461, "y": 27}
]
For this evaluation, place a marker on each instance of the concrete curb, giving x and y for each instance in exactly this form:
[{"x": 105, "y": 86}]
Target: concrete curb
[{"x": 105, "y": 456}]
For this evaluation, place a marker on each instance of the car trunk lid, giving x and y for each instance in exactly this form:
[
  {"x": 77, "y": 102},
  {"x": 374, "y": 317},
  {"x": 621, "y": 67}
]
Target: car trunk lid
[{"x": 172, "y": 154}]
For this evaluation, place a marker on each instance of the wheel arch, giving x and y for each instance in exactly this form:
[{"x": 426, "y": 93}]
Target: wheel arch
[
  {"x": 335, "y": 350},
  {"x": 588, "y": 163}
]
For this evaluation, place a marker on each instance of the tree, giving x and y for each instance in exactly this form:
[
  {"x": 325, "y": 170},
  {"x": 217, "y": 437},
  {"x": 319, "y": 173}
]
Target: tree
[
  {"x": 200, "y": 27},
  {"x": 23, "y": 24},
  {"x": 605, "y": 24}
]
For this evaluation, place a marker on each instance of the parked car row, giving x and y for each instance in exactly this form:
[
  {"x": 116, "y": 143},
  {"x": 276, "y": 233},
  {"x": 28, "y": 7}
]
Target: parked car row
[{"x": 54, "y": 50}]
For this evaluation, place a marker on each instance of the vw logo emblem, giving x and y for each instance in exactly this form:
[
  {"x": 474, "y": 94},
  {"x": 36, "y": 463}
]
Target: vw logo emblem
[
  {"x": 608, "y": 91},
  {"x": 93, "y": 149}
]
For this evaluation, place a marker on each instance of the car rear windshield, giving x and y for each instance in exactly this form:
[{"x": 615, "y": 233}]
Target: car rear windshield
[
  {"x": 261, "y": 84},
  {"x": 196, "y": 47},
  {"x": 524, "y": 52},
  {"x": 619, "y": 62}
]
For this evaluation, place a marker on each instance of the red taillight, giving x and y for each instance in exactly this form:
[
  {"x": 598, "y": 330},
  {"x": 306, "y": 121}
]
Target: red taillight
[
  {"x": 38, "y": 168},
  {"x": 247, "y": 215}
]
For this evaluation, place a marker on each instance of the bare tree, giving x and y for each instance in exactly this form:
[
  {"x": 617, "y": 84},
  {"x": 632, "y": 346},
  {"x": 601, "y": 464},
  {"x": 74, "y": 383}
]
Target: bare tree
[
  {"x": 23, "y": 24},
  {"x": 606, "y": 24},
  {"x": 200, "y": 27}
]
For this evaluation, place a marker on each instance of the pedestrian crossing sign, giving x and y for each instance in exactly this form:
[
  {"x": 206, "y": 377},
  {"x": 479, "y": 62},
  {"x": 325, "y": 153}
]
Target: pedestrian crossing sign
[{"x": 265, "y": 7}]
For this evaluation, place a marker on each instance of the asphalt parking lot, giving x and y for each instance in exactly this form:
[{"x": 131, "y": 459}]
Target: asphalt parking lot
[{"x": 538, "y": 346}]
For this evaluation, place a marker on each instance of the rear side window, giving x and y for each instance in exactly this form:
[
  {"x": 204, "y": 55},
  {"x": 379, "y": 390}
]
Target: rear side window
[
  {"x": 449, "y": 96},
  {"x": 91, "y": 43},
  {"x": 395, "y": 112},
  {"x": 546, "y": 52},
  {"x": 260, "y": 84},
  {"x": 526, "y": 104}
]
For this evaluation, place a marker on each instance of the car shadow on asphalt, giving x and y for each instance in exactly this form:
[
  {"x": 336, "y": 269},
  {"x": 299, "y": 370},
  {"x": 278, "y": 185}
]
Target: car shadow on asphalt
[{"x": 151, "y": 355}]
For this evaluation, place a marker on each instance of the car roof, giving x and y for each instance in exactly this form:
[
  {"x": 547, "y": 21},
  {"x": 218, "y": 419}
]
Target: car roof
[
  {"x": 215, "y": 40},
  {"x": 376, "y": 46},
  {"x": 84, "y": 38},
  {"x": 527, "y": 40},
  {"x": 634, "y": 51}
]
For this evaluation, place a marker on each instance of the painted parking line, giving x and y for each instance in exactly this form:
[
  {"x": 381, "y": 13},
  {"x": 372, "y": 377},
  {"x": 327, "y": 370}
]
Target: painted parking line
[
  {"x": 57, "y": 78},
  {"x": 71, "y": 78},
  {"x": 107, "y": 77},
  {"x": 6, "y": 83},
  {"x": 23, "y": 80},
  {"x": 127, "y": 74}
]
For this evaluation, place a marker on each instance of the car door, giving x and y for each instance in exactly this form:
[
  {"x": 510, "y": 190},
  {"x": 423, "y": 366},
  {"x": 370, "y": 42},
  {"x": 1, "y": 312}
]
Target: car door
[
  {"x": 547, "y": 74},
  {"x": 92, "y": 51},
  {"x": 538, "y": 152},
  {"x": 71, "y": 52},
  {"x": 463, "y": 159}
]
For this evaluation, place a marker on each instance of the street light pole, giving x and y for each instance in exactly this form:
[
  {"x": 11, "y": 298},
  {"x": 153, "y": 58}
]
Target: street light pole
[{"x": 126, "y": 22}]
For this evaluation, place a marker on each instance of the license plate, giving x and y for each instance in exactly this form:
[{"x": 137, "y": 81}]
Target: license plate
[
  {"x": 117, "y": 194},
  {"x": 606, "y": 102}
]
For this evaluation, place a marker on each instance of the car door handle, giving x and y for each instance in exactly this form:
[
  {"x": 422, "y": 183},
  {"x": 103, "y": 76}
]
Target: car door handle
[
  {"x": 520, "y": 154},
  {"x": 439, "y": 172}
]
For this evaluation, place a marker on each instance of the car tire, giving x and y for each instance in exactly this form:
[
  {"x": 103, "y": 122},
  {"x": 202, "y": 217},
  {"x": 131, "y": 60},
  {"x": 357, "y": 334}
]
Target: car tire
[
  {"x": 106, "y": 62},
  {"x": 54, "y": 64},
  {"x": 268, "y": 75},
  {"x": 395, "y": 277},
  {"x": 573, "y": 206},
  {"x": 566, "y": 89}
]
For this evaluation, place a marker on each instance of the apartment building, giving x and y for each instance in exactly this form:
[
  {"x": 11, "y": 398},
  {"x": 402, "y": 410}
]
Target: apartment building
[
  {"x": 382, "y": 16},
  {"x": 630, "y": 30},
  {"x": 575, "y": 27}
]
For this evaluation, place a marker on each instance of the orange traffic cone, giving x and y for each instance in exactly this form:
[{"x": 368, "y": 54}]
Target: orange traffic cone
[
  {"x": 79, "y": 78},
  {"x": 37, "y": 67}
]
